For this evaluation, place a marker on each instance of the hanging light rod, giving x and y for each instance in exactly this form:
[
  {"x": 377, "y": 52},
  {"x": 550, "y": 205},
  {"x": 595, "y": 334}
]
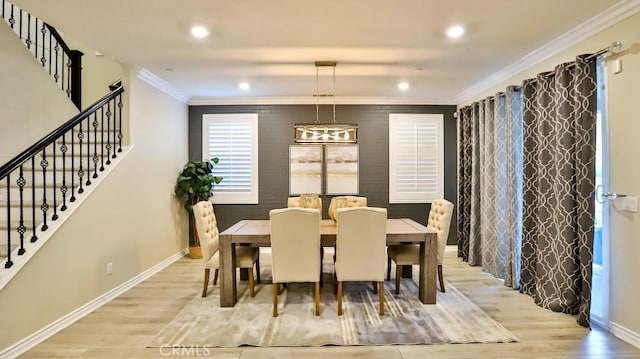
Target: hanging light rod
[
  {"x": 329, "y": 132},
  {"x": 326, "y": 63}
]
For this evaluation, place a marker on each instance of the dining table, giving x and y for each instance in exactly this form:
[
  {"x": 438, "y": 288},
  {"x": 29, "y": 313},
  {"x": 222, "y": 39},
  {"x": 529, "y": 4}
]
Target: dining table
[{"x": 400, "y": 231}]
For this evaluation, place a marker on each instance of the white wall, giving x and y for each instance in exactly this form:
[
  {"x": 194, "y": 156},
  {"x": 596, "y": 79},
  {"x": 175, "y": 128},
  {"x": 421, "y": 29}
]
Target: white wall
[
  {"x": 132, "y": 220},
  {"x": 623, "y": 91},
  {"x": 32, "y": 104}
]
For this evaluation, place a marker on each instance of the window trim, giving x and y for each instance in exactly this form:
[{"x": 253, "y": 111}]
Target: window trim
[
  {"x": 416, "y": 197},
  {"x": 252, "y": 196}
]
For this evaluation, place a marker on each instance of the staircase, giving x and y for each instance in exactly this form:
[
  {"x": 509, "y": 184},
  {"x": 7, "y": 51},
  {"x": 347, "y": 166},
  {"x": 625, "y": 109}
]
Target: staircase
[
  {"x": 38, "y": 186},
  {"x": 63, "y": 64}
]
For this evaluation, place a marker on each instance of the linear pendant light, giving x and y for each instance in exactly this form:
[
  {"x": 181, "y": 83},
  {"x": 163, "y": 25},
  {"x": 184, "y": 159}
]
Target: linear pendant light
[{"x": 326, "y": 132}]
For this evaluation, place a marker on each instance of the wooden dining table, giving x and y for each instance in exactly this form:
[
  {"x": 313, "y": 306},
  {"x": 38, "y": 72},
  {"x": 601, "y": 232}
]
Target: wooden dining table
[{"x": 257, "y": 233}]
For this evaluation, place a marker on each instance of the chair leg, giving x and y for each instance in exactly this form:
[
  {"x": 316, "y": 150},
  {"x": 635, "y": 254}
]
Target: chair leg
[
  {"x": 276, "y": 289},
  {"x": 335, "y": 283},
  {"x": 252, "y": 292},
  {"x": 388, "y": 267},
  {"x": 381, "y": 297},
  {"x": 441, "y": 278},
  {"x": 206, "y": 281},
  {"x": 340, "y": 298},
  {"x": 375, "y": 287},
  {"x": 398, "y": 275},
  {"x": 321, "y": 257},
  {"x": 317, "y": 297},
  {"x": 215, "y": 277},
  {"x": 258, "y": 269}
]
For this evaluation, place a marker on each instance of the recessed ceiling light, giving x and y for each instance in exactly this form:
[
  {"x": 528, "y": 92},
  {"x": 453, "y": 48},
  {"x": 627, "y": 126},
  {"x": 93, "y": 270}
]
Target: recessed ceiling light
[
  {"x": 403, "y": 86},
  {"x": 455, "y": 32},
  {"x": 199, "y": 31},
  {"x": 244, "y": 86}
]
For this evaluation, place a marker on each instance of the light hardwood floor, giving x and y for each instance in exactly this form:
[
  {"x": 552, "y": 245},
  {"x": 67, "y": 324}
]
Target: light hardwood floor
[{"x": 124, "y": 327}]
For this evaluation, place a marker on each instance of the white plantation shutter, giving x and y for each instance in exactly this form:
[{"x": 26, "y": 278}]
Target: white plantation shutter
[
  {"x": 416, "y": 158},
  {"x": 233, "y": 138}
]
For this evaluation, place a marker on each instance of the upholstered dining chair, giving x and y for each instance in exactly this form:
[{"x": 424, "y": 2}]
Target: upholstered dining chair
[
  {"x": 295, "y": 238},
  {"x": 440, "y": 220},
  {"x": 306, "y": 201},
  {"x": 345, "y": 202},
  {"x": 207, "y": 229},
  {"x": 361, "y": 238}
]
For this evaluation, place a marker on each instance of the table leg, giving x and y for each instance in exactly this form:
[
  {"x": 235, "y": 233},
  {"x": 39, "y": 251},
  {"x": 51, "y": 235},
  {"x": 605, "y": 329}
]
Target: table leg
[
  {"x": 228, "y": 290},
  {"x": 428, "y": 266}
]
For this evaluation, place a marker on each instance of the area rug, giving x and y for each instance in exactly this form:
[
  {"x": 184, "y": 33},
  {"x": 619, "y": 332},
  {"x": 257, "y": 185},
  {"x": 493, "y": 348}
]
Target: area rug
[{"x": 454, "y": 319}]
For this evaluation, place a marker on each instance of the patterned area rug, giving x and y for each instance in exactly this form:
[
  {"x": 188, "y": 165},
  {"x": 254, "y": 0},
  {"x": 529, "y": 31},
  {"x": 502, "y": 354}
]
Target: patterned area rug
[{"x": 454, "y": 319}]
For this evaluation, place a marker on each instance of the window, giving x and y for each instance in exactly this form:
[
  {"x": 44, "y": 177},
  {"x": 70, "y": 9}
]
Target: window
[
  {"x": 416, "y": 158},
  {"x": 233, "y": 138}
]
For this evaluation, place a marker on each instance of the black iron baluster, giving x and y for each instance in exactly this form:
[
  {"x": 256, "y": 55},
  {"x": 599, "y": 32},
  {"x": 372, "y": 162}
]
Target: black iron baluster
[
  {"x": 81, "y": 170},
  {"x": 43, "y": 59},
  {"x": 68, "y": 91},
  {"x": 62, "y": 70},
  {"x": 108, "y": 129},
  {"x": 101, "y": 138},
  {"x": 34, "y": 237},
  {"x": 12, "y": 20},
  {"x": 20, "y": 24},
  {"x": 95, "y": 144},
  {"x": 44, "y": 207},
  {"x": 115, "y": 125},
  {"x": 56, "y": 49},
  {"x": 3, "y": 9},
  {"x": 55, "y": 185},
  {"x": 73, "y": 167},
  {"x": 21, "y": 228},
  {"x": 63, "y": 188},
  {"x": 28, "y": 39},
  {"x": 120, "y": 123},
  {"x": 9, "y": 262}
]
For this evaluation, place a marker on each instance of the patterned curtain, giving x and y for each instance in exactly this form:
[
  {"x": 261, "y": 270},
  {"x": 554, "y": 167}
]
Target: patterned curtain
[
  {"x": 490, "y": 186},
  {"x": 464, "y": 182},
  {"x": 559, "y": 175}
]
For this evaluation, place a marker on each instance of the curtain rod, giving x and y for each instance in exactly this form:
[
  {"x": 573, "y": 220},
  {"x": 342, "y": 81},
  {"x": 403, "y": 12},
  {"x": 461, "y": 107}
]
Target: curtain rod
[{"x": 613, "y": 48}]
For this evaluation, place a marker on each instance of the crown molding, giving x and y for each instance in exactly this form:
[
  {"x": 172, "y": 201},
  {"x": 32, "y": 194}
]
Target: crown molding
[
  {"x": 162, "y": 85},
  {"x": 309, "y": 100},
  {"x": 605, "y": 19}
]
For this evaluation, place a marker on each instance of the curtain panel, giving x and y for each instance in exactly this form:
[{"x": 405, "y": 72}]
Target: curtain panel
[
  {"x": 559, "y": 183},
  {"x": 525, "y": 186}
]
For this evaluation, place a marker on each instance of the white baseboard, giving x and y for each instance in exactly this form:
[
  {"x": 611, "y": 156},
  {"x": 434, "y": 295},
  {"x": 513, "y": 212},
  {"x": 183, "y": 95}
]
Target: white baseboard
[
  {"x": 45, "y": 333},
  {"x": 625, "y": 334}
]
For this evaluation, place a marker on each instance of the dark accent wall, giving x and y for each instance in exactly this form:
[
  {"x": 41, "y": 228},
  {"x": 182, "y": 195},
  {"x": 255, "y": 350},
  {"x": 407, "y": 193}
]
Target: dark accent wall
[{"x": 275, "y": 133}]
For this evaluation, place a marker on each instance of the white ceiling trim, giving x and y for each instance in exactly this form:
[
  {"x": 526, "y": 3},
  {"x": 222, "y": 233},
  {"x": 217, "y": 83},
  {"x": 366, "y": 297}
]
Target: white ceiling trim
[
  {"x": 605, "y": 19},
  {"x": 162, "y": 85},
  {"x": 196, "y": 101}
]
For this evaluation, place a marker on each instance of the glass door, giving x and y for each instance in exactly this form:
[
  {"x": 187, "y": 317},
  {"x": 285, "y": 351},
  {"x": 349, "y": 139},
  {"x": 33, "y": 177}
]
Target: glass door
[{"x": 600, "y": 276}]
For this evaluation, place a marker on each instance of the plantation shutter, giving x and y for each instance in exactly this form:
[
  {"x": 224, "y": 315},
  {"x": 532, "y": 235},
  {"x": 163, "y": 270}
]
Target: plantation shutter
[
  {"x": 233, "y": 139},
  {"x": 416, "y": 158}
]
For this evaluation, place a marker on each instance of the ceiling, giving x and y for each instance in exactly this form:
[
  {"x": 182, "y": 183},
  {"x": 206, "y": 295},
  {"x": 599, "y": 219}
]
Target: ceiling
[{"x": 272, "y": 45}]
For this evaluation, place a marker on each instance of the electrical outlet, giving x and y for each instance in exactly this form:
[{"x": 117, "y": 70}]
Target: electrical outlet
[
  {"x": 630, "y": 204},
  {"x": 109, "y": 268}
]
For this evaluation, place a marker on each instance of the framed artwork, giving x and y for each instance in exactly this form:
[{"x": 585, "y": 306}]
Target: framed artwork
[
  {"x": 305, "y": 169},
  {"x": 342, "y": 169}
]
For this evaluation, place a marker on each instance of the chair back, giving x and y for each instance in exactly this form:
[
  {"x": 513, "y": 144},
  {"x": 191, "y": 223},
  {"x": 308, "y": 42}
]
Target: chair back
[
  {"x": 361, "y": 244},
  {"x": 440, "y": 220},
  {"x": 306, "y": 201},
  {"x": 207, "y": 229},
  {"x": 295, "y": 244},
  {"x": 345, "y": 202}
]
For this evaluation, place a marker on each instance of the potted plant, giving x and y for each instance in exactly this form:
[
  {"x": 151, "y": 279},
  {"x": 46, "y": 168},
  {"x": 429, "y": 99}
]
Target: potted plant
[{"x": 194, "y": 184}]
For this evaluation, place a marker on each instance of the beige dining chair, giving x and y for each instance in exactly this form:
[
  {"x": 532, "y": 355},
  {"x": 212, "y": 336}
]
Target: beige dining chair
[
  {"x": 345, "y": 202},
  {"x": 439, "y": 219},
  {"x": 361, "y": 237},
  {"x": 306, "y": 201},
  {"x": 295, "y": 238},
  {"x": 207, "y": 229}
]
